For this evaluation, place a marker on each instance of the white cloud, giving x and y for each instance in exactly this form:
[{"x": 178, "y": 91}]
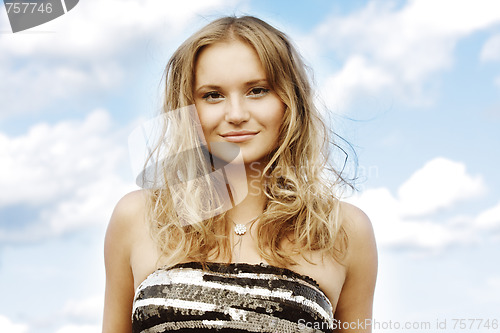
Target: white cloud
[
  {"x": 491, "y": 49},
  {"x": 90, "y": 205},
  {"x": 80, "y": 315},
  {"x": 6, "y": 325},
  {"x": 88, "y": 310},
  {"x": 36, "y": 85},
  {"x": 395, "y": 231},
  {"x": 441, "y": 183},
  {"x": 404, "y": 47},
  {"x": 491, "y": 52},
  {"x": 90, "y": 49},
  {"x": 404, "y": 221},
  {"x": 357, "y": 77},
  {"x": 80, "y": 329},
  {"x": 102, "y": 31},
  {"x": 489, "y": 219},
  {"x": 68, "y": 172},
  {"x": 51, "y": 161}
]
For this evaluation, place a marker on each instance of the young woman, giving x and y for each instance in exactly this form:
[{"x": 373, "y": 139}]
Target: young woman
[{"x": 239, "y": 227}]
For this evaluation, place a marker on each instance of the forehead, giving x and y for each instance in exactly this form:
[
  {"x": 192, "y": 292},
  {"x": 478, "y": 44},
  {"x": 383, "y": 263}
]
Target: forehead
[{"x": 231, "y": 62}]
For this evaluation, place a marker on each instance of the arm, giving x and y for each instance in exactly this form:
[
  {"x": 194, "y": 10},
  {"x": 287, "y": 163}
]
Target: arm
[
  {"x": 119, "y": 278},
  {"x": 356, "y": 298}
]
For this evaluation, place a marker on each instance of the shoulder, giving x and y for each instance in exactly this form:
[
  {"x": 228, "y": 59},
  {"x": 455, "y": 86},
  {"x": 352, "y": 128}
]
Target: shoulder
[
  {"x": 356, "y": 298},
  {"x": 130, "y": 209},
  {"x": 127, "y": 217},
  {"x": 354, "y": 216},
  {"x": 131, "y": 205},
  {"x": 123, "y": 230},
  {"x": 355, "y": 221},
  {"x": 359, "y": 232}
]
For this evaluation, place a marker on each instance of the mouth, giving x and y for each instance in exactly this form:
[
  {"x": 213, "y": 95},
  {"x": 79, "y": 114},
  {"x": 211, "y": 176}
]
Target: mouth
[{"x": 239, "y": 136}]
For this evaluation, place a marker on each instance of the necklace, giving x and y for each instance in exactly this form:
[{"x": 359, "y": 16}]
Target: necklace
[{"x": 240, "y": 229}]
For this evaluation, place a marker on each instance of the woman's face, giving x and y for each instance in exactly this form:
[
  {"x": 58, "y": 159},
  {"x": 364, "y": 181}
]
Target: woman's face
[{"x": 234, "y": 100}]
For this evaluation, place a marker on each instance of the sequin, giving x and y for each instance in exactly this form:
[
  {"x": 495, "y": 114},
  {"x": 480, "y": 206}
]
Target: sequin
[{"x": 225, "y": 298}]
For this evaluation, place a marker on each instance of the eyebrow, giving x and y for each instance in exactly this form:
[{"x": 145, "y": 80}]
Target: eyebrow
[{"x": 216, "y": 87}]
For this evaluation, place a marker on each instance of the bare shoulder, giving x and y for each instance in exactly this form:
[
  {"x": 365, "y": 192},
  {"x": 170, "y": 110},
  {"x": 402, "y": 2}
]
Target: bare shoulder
[
  {"x": 130, "y": 207},
  {"x": 124, "y": 226},
  {"x": 128, "y": 211},
  {"x": 359, "y": 230},
  {"x": 356, "y": 298},
  {"x": 126, "y": 219},
  {"x": 354, "y": 219}
]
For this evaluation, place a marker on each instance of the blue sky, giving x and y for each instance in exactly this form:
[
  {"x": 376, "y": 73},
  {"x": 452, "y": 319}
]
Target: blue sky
[{"x": 414, "y": 86}]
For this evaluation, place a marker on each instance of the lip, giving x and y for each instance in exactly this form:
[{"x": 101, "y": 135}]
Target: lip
[{"x": 239, "y": 136}]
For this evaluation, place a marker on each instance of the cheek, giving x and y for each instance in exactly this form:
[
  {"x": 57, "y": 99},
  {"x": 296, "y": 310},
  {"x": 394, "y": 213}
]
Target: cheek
[
  {"x": 276, "y": 117},
  {"x": 207, "y": 121}
]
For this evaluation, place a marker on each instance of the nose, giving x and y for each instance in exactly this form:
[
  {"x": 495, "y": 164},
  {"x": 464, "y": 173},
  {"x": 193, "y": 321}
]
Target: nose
[{"x": 236, "y": 111}]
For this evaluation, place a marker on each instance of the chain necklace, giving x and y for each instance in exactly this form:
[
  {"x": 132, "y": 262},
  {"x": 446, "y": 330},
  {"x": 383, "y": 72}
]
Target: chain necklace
[{"x": 240, "y": 230}]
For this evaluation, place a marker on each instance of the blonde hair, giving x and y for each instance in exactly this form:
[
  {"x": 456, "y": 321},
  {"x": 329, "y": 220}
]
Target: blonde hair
[{"x": 299, "y": 183}]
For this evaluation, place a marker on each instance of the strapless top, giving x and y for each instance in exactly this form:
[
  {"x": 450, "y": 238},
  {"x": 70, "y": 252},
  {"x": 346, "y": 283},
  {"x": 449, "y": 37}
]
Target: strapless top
[{"x": 235, "y": 297}]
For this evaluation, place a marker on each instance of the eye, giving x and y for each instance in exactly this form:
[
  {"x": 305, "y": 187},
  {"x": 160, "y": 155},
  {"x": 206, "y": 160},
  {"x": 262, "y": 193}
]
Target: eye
[
  {"x": 258, "y": 92},
  {"x": 212, "y": 96}
]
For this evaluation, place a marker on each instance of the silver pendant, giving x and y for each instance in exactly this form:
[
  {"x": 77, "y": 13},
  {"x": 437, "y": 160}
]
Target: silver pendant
[{"x": 240, "y": 229}]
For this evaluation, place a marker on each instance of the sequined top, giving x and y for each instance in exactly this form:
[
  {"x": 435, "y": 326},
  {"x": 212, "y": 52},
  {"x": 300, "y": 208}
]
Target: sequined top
[{"x": 233, "y": 297}]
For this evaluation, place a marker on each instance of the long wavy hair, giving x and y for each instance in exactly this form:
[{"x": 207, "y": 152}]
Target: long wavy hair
[{"x": 187, "y": 216}]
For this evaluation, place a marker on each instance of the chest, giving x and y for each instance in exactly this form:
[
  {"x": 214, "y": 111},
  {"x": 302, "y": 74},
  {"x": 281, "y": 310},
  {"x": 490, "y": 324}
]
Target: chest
[
  {"x": 328, "y": 273},
  {"x": 243, "y": 297}
]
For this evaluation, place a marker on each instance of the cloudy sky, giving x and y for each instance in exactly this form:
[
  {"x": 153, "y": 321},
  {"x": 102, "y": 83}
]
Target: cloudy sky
[{"x": 414, "y": 86}]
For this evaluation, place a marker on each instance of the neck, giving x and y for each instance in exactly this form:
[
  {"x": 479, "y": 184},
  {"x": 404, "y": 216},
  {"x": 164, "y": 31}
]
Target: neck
[{"x": 251, "y": 205}]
